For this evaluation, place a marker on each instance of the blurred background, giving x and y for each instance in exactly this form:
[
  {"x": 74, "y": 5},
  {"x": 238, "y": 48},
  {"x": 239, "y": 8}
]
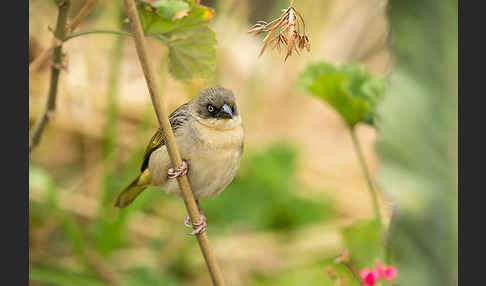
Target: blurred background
[{"x": 299, "y": 184}]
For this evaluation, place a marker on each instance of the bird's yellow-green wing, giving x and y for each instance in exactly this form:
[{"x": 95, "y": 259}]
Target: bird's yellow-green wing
[
  {"x": 156, "y": 142},
  {"x": 177, "y": 119}
]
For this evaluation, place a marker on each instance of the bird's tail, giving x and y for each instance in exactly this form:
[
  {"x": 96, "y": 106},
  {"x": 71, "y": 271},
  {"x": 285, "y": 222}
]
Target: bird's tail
[{"x": 128, "y": 195}]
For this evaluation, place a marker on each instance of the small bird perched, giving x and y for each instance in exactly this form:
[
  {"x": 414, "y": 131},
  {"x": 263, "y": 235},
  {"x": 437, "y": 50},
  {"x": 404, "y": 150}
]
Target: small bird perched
[{"x": 209, "y": 134}]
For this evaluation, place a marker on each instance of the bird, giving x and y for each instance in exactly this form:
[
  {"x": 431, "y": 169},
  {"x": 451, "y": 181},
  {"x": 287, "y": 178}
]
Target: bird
[{"x": 208, "y": 132}]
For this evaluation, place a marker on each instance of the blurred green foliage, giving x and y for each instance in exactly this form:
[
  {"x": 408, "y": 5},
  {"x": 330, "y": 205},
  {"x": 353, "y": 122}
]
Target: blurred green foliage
[
  {"x": 310, "y": 274},
  {"x": 191, "y": 43},
  {"x": 419, "y": 141},
  {"x": 62, "y": 277},
  {"x": 262, "y": 196},
  {"x": 143, "y": 276},
  {"x": 364, "y": 242},
  {"x": 349, "y": 89}
]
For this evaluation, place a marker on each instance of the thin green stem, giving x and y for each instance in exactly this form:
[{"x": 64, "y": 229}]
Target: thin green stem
[
  {"x": 111, "y": 126},
  {"x": 116, "y": 32},
  {"x": 364, "y": 167},
  {"x": 159, "y": 37}
]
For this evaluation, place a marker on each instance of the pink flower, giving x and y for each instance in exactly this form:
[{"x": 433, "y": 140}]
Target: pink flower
[
  {"x": 390, "y": 273},
  {"x": 369, "y": 277},
  {"x": 380, "y": 268}
]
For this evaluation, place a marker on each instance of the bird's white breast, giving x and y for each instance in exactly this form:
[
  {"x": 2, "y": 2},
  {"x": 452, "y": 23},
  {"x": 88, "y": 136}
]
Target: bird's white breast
[{"x": 213, "y": 156}]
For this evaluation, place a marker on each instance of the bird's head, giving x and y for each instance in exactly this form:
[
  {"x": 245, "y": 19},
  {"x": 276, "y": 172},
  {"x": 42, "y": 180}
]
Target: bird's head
[{"x": 216, "y": 107}]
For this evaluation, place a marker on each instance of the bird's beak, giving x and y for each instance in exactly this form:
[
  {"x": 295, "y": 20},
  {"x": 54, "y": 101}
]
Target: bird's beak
[{"x": 226, "y": 112}]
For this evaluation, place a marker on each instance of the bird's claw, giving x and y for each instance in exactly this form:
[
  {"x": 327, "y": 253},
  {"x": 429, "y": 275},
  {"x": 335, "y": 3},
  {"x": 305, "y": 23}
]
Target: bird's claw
[
  {"x": 199, "y": 227},
  {"x": 181, "y": 171},
  {"x": 187, "y": 221}
]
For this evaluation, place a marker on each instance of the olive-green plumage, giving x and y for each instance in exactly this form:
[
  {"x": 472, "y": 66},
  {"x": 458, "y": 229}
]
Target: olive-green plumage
[{"x": 128, "y": 195}]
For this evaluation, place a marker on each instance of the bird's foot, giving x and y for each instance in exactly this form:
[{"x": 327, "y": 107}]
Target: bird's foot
[
  {"x": 181, "y": 171},
  {"x": 199, "y": 227},
  {"x": 187, "y": 222}
]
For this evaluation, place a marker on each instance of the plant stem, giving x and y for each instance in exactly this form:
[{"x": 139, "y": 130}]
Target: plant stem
[
  {"x": 88, "y": 5},
  {"x": 50, "y": 108},
  {"x": 116, "y": 32},
  {"x": 111, "y": 126},
  {"x": 353, "y": 272},
  {"x": 159, "y": 37},
  {"x": 37, "y": 62},
  {"x": 366, "y": 172},
  {"x": 164, "y": 124}
]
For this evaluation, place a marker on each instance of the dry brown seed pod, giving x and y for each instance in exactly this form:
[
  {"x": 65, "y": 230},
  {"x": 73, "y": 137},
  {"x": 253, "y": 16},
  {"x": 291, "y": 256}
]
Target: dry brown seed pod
[{"x": 288, "y": 30}]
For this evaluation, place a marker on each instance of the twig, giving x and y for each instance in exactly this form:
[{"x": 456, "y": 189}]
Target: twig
[
  {"x": 81, "y": 15},
  {"x": 366, "y": 172},
  {"x": 59, "y": 34},
  {"x": 116, "y": 32},
  {"x": 37, "y": 62},
  {"x": 164, "y": 123}
]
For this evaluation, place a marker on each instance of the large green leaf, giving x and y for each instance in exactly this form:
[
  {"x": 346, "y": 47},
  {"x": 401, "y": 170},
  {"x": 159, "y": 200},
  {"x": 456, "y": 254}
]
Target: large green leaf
[
  {"x": 350, "y": 90},
  {"x": 191, "y": 43},
  {"x": 193, "y": 54},
  {"x": 418, "y": 142}
]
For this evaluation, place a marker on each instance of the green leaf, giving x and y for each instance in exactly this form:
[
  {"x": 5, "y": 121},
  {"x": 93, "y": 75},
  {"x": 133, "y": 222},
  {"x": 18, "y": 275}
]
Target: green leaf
[
  {"x": 349, "y": 90},
  {"x": 193, "y": 54},
  {"x": 191, "y": 43},
  {"x": 154, "y": 23},
  {"x": 363, "y": 240},
  {"x": 171, "y": 9},
  {"x": 418, "y": 142}
]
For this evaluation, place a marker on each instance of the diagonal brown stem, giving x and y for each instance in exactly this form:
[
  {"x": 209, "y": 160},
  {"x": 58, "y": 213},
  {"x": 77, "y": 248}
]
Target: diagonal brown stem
[
  {"x": 88, "y": 5},
  {"x": 164, "y": 123},
  {"x": 59, "y": 33}
]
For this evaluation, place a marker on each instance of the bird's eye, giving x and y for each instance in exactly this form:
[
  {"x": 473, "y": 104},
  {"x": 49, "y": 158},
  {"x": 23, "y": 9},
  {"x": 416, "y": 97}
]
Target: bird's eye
[{"x": 210, "y": 108}]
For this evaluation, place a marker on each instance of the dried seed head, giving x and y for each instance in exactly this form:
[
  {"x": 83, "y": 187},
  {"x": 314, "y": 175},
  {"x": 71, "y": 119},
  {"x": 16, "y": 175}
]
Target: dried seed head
[{"x": 287, "y": 30}]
